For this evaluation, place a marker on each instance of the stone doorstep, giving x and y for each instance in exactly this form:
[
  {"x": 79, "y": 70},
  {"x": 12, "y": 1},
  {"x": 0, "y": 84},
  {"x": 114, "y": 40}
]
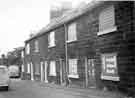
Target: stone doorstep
[{"x": 85, "y": 91}]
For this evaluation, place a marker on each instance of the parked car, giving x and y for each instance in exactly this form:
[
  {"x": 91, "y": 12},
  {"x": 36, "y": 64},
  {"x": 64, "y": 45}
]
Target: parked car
[
  {"x": 4, "y": 77},
  {"x": 13, "y": 71}
]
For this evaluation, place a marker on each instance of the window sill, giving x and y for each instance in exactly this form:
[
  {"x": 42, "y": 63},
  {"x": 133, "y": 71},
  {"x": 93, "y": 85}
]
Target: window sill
[
  {"x": 110, "y": 78},
  {"x": 51, "y": 46},
  {"x": 37, "y": 73},
  {"x": 52, "y": 75},
  {"x": 71, "y": 41},
  {"x": 107, "y": 31},
  {"x": 36, "y": 51},
  {"x": 73, "y": 76}
]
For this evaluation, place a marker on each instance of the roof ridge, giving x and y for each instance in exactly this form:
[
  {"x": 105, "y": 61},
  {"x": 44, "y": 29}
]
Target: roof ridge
[{"x": 71, "y": 14}]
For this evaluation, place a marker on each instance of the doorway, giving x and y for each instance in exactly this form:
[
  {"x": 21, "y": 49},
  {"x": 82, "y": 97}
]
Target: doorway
[
  {"x": 62, "y": 71},
  {"x": 91, "y": 73},
  {"x": 45, "y": 71}
]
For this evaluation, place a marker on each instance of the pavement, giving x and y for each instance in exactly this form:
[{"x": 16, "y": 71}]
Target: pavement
[
  {"x": 33, "y": 89},
  {"x": 84, "y": 92}
]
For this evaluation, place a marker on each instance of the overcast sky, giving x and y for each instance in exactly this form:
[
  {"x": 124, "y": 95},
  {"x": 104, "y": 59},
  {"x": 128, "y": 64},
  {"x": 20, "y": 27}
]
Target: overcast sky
[{"x": 18, "y": 18}]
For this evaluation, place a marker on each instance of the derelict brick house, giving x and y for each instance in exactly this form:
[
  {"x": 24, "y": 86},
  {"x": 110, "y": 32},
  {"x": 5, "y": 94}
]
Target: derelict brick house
[
  {"x": 92, "y": 46},
  {"x": 46, "y": 55},
  {"x": 98, "y": 47},
  {"x": 35, "y": 58},
  {"x": 56, "y": 55},
  {"x": 81, "y": 35},
  {"x": 114, "y": 45}
]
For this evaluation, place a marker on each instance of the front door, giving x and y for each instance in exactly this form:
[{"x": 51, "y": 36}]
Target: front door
[
  {"x": 45, "y": 72},
  {"x": 91, "y": 73}
]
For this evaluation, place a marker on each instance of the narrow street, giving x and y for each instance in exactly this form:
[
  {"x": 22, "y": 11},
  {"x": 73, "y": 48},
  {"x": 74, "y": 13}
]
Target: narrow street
[{"x": 29, "y": 89}]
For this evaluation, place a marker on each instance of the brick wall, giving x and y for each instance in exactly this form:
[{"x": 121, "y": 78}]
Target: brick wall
[
  {"x": 56, "y": 53},
  {"x": 27, "y": 60},
  {"x": 84, "y": 47},
  {"x": 121, "y": 43},
  {"x": 90, "y": 45}
]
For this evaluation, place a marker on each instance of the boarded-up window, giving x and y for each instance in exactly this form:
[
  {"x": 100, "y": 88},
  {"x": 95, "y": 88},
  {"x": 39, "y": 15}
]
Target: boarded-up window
[
  {"x": 107, "y": 18},
  {"x": 73, "y": 68},
  {"x": 51, "y": 39},
  {"x": 36, "y": 46},
  {"x": 72, "y": 34},
  {"x": 52, "y": 68},
  {"x": 109, "y": 67}
]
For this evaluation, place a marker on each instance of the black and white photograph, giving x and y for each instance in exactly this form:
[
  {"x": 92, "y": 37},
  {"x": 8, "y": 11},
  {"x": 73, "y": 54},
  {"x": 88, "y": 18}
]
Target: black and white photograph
[{"x": 67, "y": 49}]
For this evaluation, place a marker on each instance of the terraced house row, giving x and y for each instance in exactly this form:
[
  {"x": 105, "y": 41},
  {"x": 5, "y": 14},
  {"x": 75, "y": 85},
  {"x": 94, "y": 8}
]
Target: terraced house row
[{"x": 92, "y": 46}]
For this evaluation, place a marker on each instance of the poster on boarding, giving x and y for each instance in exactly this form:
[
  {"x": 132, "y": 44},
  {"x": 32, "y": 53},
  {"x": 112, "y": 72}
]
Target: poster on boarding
[{"x": 109, "y": 67}]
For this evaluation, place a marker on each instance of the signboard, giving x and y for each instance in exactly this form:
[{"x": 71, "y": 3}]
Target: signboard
[{"x": 109, "y": 67}]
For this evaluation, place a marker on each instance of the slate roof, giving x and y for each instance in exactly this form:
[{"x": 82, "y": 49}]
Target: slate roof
[{"x": 65, "y": 18}]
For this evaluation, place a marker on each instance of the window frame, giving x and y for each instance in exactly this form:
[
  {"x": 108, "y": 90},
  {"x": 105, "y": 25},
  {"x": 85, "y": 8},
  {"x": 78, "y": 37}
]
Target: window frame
[
  {"x": 52, "y": 72},
  {"x": 27, "y": 48},
  {"x": 22, "y": 54},
  {"x": 73, "y": 73},
  {"x": 72, "y": 27},
  {"x": 51, "y": 41},
  {"x": 105, "y": 74},
  {"x": 110, "y": 29},
  {"x": 36, "y": 44}
]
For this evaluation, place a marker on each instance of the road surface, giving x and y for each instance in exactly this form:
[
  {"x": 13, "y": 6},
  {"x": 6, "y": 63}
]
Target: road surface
[{"x": 29, "y": 89}]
